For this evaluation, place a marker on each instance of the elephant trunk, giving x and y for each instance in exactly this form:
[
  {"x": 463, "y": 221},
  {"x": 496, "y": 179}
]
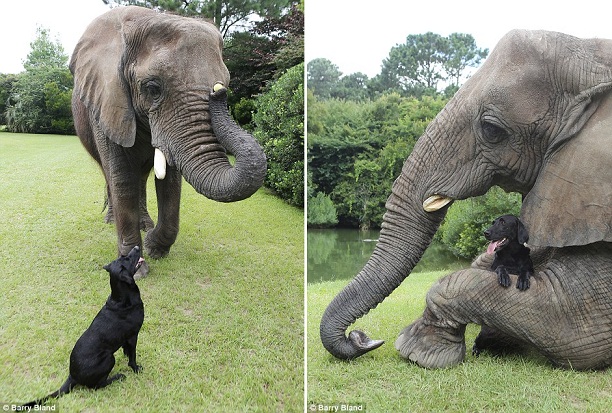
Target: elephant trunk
[
  {"x": 407, "y": 230},
  {"x": 202, "y": 160}
]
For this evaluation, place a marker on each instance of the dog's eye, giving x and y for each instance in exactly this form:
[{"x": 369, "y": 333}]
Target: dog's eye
[{"x": 501, "y": 221}]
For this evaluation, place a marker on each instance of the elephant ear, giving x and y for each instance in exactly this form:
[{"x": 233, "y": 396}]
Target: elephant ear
[
  {"x": 99, "y": 82},
  {"x": 571, "y": 201}
]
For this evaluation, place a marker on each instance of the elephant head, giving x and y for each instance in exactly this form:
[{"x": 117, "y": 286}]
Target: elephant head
[
  {"x": 535, "y": 119},
  {"x": 148, "y": 76}
]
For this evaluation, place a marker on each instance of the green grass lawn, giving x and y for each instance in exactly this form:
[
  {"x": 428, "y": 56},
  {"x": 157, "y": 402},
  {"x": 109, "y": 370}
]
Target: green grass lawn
[
  {"x": 384, "y": 382},
  {"x": 223, "y": 328}
]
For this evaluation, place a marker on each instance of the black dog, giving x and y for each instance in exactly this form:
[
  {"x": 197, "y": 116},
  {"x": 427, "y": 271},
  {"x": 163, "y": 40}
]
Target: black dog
[
  {"x": 507, "y": 236},
  {"x": 116, "y": 325}
]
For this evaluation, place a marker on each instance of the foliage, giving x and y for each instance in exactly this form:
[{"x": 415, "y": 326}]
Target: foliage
[
  {"x": 7, "y": 81},
  {"x": 321, "y": 212},
  {"x": 462, "y": 53},
  {"x": 418, "y": 62},
  {"x": 424, "y": 60},
  {"x": 257, "y": 57},
  {"x": 279, "y": 127},
  {"x": 225, "y": 14},
  {"x": 356, "y": 150},
  {"x": 223, "y": 329},
  {"x": 322, "y": 77},
  {"x": 466, "y": 221},
  {"x": 40, "y": 97}
]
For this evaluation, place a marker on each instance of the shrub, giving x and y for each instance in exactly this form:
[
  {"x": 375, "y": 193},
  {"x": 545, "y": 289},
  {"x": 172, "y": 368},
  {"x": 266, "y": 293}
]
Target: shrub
[
  {"x": 279, "y": 128},
  {"x": 466, "y": 220},
  {"x": 321, "y": 212}
]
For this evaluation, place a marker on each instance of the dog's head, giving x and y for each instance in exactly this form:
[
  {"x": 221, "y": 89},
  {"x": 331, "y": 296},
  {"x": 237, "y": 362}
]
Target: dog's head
[
  {"x": 124, "y": 268},
  {"x": 505, "y": 230}
]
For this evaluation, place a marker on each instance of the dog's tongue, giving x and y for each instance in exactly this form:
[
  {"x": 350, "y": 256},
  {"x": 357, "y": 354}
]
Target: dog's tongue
[{"x": 492, "y": 246}]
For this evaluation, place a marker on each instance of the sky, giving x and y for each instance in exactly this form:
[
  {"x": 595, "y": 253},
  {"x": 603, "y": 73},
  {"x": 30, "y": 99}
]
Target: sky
[
  {"x": 356, "y": 35},
  {"x": 66, "y": 20}
]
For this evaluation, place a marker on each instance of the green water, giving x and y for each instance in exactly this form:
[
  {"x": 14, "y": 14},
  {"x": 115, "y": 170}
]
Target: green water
[{"x": 338, "y": 254}]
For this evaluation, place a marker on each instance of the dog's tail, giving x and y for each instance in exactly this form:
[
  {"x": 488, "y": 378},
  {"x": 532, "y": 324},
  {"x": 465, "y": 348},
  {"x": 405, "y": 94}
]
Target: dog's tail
[{"x": 65, "y": 389}]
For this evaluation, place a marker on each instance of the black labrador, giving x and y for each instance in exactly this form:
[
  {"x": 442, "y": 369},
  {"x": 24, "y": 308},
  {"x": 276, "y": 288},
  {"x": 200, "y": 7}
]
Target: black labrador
[
  {"x": 507, "y": 236},
  {"x": 116, "y": 325}
]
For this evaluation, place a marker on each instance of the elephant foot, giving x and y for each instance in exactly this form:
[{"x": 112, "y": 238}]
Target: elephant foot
[
  {"x": 432, "y": 346},
  {"x": 153, "y": 248}
]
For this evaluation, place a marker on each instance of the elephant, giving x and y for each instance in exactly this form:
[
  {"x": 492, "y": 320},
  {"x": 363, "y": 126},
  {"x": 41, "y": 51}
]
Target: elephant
[
  {"x": 149, "y": 94},
  {"x": 535, "y": 118}
]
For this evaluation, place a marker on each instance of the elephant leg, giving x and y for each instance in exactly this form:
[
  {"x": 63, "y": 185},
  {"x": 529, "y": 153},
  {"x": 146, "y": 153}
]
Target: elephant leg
[
  {"x": 159, "y": 240},
  {"x": 146, "y": 223},
  {"x": 109, "y": 218},
  {"x": 565, "y": 314},
  {"x": 124, "y": 189}
]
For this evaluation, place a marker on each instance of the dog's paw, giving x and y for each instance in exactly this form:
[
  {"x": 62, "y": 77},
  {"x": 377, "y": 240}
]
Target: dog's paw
[
  {"x": 137, "y": 369},
  {"x": 522, "y": 283},
  {"x": 504, "y": 279}
]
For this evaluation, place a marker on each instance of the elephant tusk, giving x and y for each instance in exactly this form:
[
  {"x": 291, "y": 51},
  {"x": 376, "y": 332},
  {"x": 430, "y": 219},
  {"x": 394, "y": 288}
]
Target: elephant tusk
[
  {"x": 218, "y": 86},
  {"x": 436, "y": 202},
  {"x": 159, "y": 164}
]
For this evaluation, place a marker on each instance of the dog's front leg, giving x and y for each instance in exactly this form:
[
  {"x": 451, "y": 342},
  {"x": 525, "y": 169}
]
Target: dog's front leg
[
  {"x": 129, "y": 349},
  {"x": 522, "y": 283},
  {"x": 502, "y": 276}
]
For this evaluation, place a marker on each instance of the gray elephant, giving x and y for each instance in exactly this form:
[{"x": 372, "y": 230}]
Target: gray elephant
[
  {"x": 143, "y": 98},
  {"x": 536, "y": 118}
]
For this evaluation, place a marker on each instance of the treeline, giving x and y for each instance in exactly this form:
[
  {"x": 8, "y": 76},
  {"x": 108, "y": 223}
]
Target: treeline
[
  {"x": 360, "y": 132},
  {"x": 265, "y": 60}
]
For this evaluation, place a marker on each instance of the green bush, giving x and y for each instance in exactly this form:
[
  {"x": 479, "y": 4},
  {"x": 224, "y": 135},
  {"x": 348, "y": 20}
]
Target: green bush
[
  {"x": 243, "y": 111},
  {"x": 279, "y": 128},
  {"x": 321, "y": 212},
  {"x": 466, "y": 220}
]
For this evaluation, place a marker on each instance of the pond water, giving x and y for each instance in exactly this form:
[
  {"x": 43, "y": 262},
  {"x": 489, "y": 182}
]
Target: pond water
[{"x": 337, "y": 254}]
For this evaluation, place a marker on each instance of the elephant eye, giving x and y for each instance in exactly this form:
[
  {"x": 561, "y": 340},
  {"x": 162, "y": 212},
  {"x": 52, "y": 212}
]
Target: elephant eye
[
  {"x": 493, "y": 133},
  {"x": 153, "y": 89}
]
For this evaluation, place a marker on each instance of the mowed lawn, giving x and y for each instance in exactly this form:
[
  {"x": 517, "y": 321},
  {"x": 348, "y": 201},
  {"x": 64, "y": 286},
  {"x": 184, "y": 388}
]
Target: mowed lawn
[
  {"x": 223, "y": 328},
  {"x": 381, "y": 381}
]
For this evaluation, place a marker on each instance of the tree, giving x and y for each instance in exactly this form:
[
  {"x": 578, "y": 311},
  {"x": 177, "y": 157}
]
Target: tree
[
  {"x": 462, "y": 53},
  {"x": 418, "y": 62},
  {"x": 352, "y": 87},
  {"x": 417, "y": 67},
  {"x": 6, "y": 86},
  {"x": 40, "y": 97},
  {"x": 227, "y": 15},
  {"x": 322, "y": 77},
  {"x": 257, "y": 57}
]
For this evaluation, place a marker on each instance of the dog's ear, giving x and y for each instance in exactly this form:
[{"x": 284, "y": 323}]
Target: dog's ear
[{"x": 522, "y": 235}]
